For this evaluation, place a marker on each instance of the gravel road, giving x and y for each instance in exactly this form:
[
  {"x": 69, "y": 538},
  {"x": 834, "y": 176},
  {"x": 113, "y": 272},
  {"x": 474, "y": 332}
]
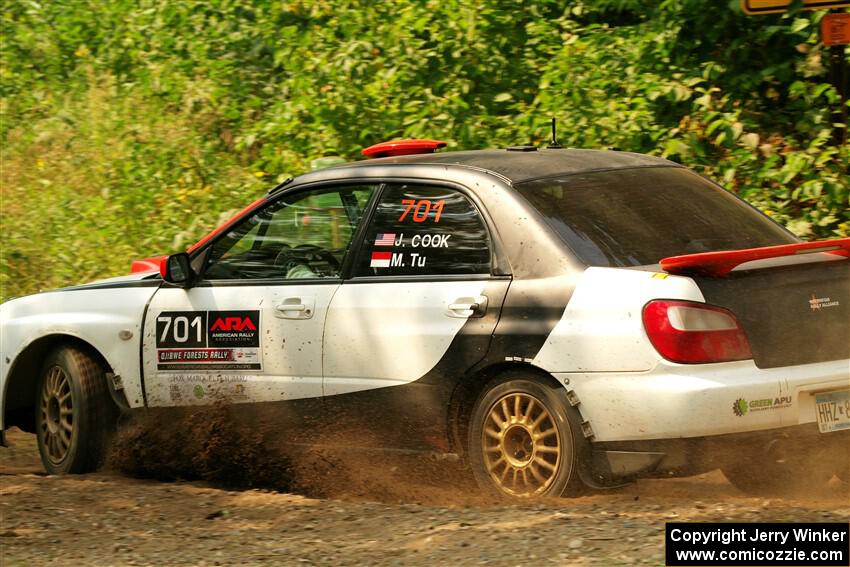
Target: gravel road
[{"x": 112, "y": 519}]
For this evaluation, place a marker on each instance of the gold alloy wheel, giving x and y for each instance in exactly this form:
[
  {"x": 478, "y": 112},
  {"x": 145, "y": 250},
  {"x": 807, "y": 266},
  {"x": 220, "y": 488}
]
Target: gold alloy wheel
[
  {"x": 57, "y": 414},
  {"x": 522, "y": 446}
]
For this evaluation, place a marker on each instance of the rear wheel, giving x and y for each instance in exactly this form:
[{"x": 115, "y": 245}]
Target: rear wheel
[
  {"x": 74, "y": 412},
  {"x": 523, "y": 440}
]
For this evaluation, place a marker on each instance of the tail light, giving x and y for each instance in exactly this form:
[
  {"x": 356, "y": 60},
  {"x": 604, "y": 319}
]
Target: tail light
[{"x": 694, "y": 333}]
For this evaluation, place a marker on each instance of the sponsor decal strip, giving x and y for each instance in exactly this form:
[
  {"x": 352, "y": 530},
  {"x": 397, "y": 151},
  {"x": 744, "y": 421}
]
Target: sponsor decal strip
[
  {"x": 817, "y": 303},
  {"x": 741, "y": 406},
  {"x": 208, "y": 340}
]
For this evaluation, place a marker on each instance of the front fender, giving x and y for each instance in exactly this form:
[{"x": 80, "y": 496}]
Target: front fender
[{"x": 110, "y": 320}]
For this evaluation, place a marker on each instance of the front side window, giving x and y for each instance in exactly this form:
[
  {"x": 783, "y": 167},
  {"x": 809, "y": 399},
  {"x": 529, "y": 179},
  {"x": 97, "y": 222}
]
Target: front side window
[
  {"x": 301, "y": 236},
  {"x": 424, "y": 231}
]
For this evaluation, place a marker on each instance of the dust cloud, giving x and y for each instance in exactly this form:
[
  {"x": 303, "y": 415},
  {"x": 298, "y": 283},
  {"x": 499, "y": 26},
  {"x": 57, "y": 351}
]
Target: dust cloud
[
  {"x": 241, "y": 446},
  {"x": 238, "y": 448}
]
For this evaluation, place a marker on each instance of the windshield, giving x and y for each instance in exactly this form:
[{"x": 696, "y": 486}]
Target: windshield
[{"x": 635, "y": 217}]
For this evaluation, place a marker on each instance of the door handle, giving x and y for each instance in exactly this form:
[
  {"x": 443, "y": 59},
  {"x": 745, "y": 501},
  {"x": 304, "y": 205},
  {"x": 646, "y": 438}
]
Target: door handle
[
  {"x": 467, "y": 307},
  {"x": 295, "y": 308},
  {"x": 463, "y": 306}
]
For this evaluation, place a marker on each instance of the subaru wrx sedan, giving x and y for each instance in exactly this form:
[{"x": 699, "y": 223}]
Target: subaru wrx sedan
[{"x": 556, "y": 318}]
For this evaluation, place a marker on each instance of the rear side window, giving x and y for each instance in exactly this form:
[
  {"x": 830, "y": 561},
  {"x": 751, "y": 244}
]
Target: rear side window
[
  {"x": 636, "y": 217},
  {"x": 424, "y": 231}
]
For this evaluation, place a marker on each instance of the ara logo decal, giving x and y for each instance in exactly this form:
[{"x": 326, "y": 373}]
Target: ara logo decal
[
  {"x": 233, "y": 324},
  {"x": 234, "y": 329}
]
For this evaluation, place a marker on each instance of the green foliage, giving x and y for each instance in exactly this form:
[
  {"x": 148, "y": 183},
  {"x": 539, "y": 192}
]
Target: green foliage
[{"x": 130, "y": 127}]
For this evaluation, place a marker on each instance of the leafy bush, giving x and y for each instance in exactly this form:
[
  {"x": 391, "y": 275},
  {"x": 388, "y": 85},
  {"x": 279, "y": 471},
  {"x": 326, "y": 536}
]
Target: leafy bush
[{"x": 132, "y": 133}]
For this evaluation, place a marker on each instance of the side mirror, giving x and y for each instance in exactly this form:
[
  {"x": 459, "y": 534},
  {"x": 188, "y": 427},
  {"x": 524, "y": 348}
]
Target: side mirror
[{"x": 177, "y": 269}]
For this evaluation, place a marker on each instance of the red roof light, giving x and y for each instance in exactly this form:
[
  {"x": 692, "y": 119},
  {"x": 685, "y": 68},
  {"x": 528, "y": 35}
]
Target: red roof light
[{"x": 403, "y": 148}]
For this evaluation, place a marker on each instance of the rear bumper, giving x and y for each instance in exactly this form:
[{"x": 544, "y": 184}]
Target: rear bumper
[{"x": 688, "y": 401}]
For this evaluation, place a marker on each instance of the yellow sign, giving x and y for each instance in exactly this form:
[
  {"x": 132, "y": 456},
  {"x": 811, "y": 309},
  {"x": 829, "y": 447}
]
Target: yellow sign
[{"x": 754, "y": 7}]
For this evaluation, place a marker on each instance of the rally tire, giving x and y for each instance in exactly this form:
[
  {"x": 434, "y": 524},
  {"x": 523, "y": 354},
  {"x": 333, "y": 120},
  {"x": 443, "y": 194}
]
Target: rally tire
[
  {"x": 525, "y": 440},
  {"x": 74, "y": 412}
]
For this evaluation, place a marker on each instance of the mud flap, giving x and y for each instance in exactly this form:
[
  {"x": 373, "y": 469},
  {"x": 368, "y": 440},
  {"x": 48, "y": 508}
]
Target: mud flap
[{"x": 612, "y": 468}]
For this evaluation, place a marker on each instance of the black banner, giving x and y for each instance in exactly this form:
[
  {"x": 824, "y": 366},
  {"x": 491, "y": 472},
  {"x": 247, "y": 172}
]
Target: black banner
[{"x": 745, "y": 544}]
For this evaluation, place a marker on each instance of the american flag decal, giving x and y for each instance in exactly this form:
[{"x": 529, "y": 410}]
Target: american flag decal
[
  {"x": 385, "y": 239},
  {"x": 380, "y": 259}
]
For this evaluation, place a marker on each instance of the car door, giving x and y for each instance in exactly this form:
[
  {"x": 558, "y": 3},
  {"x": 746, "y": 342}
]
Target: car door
[
  {"x": 250, "y": 328},
  {"x": 416, "y": 314}
]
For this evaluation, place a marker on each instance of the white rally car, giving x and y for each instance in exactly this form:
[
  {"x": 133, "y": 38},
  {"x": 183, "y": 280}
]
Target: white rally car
[{"x": 557, "y": 318}]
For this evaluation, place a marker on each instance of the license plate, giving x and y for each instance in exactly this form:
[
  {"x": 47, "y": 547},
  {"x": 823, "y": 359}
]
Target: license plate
[{"x": 833, "y": 411}]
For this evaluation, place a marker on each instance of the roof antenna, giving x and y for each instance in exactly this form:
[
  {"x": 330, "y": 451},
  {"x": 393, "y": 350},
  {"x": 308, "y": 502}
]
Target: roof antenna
[{"x": 554, "y": 145}]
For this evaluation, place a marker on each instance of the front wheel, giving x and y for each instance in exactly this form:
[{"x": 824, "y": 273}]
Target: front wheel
[
  {"x": 73, "y": 413},
  {"x": 524, "y": 441}
]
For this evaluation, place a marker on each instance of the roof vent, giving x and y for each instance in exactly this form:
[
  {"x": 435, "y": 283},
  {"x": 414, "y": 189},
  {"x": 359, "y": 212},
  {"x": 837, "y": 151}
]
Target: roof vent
[
  {"x": 403, "y": 148},
  {"x": 522, "y": 148}
]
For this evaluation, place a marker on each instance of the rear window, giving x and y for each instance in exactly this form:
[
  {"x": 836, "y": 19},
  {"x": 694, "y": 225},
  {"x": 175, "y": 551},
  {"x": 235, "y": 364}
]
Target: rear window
[{"x": 636, "y": 217}]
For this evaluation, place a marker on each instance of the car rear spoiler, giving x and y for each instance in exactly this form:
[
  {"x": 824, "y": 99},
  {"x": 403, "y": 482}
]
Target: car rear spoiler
[{"x": 719, "y": 264}]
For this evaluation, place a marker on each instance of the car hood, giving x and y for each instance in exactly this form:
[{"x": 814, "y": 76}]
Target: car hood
[
  {"x": 134, "y": 277},
  {"x": 106, "y": 282}
]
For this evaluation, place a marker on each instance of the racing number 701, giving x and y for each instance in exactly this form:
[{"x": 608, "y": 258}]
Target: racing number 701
[
  {"x": 181, "y": 328},
  {"x": 421, "y": 209}
]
